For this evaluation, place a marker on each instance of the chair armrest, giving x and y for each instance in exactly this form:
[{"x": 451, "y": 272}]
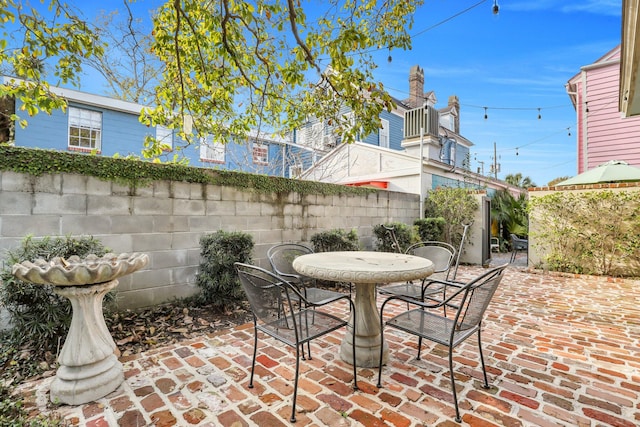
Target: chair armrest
[
  {"x": 453, "y": 283},
  {"x": 430, "y": 302}
]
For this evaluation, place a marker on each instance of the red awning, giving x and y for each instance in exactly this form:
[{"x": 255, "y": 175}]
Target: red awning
[{"x": 374, "y": 184}]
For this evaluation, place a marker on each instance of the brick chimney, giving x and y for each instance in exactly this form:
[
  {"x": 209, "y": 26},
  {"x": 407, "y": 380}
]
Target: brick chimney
[
  {"x": 454, "y": 102},
  {"x": 416, "y": 86}
]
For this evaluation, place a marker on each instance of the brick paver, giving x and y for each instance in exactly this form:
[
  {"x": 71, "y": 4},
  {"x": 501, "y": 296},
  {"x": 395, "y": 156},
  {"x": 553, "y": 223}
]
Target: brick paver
[{"x": 560, "y": 350}]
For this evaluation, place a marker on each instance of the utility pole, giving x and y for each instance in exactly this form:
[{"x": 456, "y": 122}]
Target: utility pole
[{"x": 495, "y": 166}]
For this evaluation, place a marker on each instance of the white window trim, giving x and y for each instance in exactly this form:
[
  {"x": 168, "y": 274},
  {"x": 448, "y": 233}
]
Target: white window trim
[
  {"x": 86, "y": 120},
  {"x": 164, "y": 136},
  {"x": 210, "y": 151},
  {"x": 383, "y": 133}
]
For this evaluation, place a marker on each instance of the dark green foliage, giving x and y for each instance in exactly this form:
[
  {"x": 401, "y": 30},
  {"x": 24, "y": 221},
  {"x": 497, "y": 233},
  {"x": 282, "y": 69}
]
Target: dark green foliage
[
  {"x": 13, "y": 413},
  {"x": 217, "y": 276},
  {"x": 430, "y": 228},
  {"x": 136, "y": 173},
  {"x": 404, "y": 235},
  {"x": 37, "y": 313},
  {"x": 335, "y": 240}
]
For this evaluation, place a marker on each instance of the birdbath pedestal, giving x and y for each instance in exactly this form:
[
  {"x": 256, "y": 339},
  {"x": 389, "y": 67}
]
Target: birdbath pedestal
[{"x": 89, "y": 368}]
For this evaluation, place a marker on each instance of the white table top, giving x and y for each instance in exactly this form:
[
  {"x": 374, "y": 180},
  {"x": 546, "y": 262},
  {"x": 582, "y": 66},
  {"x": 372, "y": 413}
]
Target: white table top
[{"x": 363, "y": 266}]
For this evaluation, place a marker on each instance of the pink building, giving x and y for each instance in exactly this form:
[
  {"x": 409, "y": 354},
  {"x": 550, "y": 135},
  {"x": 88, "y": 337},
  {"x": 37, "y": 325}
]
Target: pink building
[{"x": 603, "y": 133}]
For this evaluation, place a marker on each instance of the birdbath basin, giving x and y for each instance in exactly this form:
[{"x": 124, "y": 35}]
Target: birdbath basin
[{"x": 89, "y": 368}]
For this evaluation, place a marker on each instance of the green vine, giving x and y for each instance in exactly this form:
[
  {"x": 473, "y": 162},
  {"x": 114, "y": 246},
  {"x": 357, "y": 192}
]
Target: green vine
[{"x": 137, "y": 173}]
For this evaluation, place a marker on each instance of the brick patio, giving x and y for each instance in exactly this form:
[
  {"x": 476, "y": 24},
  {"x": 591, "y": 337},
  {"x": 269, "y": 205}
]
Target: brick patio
[{"x": 560, "y": 350}]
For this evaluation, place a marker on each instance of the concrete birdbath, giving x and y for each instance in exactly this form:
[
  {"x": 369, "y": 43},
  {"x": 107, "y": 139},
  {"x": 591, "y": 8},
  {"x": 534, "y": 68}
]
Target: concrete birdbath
[{"x": 89, "y": 368}]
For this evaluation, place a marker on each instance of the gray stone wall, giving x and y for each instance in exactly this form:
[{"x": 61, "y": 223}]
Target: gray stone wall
[{"x": 166, "y": 219}]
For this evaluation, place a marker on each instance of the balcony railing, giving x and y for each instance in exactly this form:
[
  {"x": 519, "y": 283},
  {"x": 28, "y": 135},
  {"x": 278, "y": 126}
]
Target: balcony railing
[{"x": 425, "y": 118}]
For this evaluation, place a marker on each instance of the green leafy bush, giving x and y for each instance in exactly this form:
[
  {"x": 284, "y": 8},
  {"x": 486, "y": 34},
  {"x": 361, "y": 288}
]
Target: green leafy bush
[
  {"x": 405, "y": 235},
  {"x": 430, "y": 228},
  {"x": 593, "y": 232},
  {"x": 335, "y": 240},
  {"x": 37, "y": 313},
  {"x": 457, "y": 206},
  {"x": 217, "y": 277}
]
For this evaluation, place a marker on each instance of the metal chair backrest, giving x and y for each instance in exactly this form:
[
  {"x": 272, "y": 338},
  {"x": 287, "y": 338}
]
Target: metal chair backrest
[
  {"x": 476, "y": 298},
  {"x": 269, "y": 295},
  {"x": 519, "y": 244},
  {"x": 281, "y": 258},
  {"x": 439, "y": 253},
  {"x": 459, "y": 251}
]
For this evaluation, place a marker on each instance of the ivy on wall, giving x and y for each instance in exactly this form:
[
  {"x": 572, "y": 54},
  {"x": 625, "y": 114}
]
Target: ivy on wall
[
  {"x": 595, "y": 232},
  {"x": 137, "y": 173}
]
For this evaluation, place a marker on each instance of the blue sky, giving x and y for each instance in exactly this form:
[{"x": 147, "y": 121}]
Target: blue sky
[{"x": 513, "y": 63}]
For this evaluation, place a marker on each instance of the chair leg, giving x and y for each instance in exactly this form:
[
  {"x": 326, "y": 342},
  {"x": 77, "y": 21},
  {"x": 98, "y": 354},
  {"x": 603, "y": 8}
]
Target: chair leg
[
  {"x": 255, "y": 352},
  {"x": 513, "y": 257},
  {"x": 484, "y": 370},
  {"x": 419, "y": 347},
  {"x": 453, "y": 385},
  {"x": 295, "y": 384}
]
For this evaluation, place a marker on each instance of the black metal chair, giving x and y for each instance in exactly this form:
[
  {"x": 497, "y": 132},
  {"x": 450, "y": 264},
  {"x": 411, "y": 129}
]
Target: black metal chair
[
  {"x": 277, "y": 315},
  {"x": 440, "y": 253},
  {"x": 517, "y": 244},
  {"x": 281, "y": 258},
  {"x": 470, "y": 301}
]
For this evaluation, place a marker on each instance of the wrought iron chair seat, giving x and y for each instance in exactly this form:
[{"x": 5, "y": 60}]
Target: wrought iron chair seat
[{"x": 310, "y": 324}]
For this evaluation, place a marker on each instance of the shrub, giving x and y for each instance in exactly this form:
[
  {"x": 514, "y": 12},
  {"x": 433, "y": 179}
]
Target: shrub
[
  {"x": 217, "y": 277},
  {"x": 430, "y": 228},
  {"x": 457, "y": 206},
  {"x": 335, "y": 240},
  {"x": 593, "y": 232},
  {"x": 405, "y": 236},
  {"x": 37, "y": 313}
]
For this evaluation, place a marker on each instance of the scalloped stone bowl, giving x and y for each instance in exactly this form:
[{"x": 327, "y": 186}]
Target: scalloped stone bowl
[{"x": 77, "y": 271}]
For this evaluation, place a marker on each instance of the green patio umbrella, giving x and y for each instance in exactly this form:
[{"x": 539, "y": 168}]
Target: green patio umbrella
[{"x": 611, "y": 171}]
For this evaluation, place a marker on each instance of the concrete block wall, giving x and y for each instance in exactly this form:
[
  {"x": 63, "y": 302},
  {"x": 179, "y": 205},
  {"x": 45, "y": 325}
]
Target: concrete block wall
[{"x": 167, "y": 219}]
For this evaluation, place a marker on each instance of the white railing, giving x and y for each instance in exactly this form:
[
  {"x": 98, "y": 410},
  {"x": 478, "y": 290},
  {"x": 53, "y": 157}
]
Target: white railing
[{"x": 421, "y": 118}]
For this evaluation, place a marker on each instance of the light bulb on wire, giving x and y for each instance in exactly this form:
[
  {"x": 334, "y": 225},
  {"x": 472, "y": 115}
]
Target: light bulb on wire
[{"x": 496, "y": 8}]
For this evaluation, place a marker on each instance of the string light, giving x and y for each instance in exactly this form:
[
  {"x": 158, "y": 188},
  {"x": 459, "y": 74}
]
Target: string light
[
  {"x": 539, "y": 115},
  {"x": 496, "y": 8},
  {"x": 485, "y": 113},
  {"x": 568, "y": 131}
]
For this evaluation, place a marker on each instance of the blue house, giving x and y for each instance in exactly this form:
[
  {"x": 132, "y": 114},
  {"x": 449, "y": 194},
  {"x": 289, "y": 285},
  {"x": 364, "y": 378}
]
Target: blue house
[
  {"x": 414, "y": 128},
  {"x": 107, "y": 126}
]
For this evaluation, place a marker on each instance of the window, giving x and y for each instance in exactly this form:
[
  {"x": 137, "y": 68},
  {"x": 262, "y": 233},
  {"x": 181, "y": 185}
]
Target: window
[
  {"x": 85, "y": 129},
  {"x": 211, "y": 151},
  {"x": 301, "y": 136},
  {"x": 164, "y": 136},
  {"x": 383, "y": 133},
  {"x": 260, "y": 154},
  {"x": 295, "y": 171}
]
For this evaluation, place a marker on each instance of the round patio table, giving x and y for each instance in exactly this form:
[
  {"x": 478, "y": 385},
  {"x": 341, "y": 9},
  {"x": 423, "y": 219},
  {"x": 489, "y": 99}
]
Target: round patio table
[{"x": 365, "y": 270}]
